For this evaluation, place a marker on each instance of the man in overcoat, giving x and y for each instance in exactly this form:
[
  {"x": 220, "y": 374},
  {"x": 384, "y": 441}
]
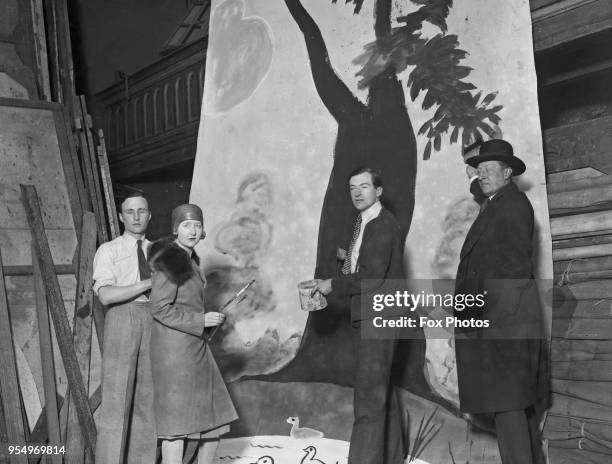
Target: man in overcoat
[
  {"x": 499, "y": 366},
  {"x": 374, "y": 256}
]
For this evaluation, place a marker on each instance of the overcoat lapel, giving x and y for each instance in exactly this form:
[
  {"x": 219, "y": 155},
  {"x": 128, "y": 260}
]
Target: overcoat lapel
[{"x": 483, "y": 220}]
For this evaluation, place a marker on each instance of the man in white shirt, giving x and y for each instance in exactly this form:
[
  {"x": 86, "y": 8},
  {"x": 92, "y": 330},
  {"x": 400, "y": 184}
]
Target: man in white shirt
[
  {"x": 374, "y": 256},
  {"x": 126, "y": 426}
]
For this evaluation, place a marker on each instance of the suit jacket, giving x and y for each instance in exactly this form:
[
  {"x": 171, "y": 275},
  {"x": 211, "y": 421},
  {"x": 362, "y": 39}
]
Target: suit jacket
[
  {"x": 498, "y": 367},
  {"x": 380, "y": 259}
]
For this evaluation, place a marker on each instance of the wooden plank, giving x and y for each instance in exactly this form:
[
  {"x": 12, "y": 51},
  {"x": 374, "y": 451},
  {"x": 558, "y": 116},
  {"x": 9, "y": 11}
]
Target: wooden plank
[
  {"x": 71, "y": 171},
  {"x": 39, "y": 433},
  {"x": 568, "y": 20},
  {"x": 9, "y": 382},
  {"x": 40, "y": 46},
  {"x": 53, "y": 52},
  {"x": 58, "y": 312},
  {"x": 90, "y": 166},
  {"x": 582, "y": 241},
  {"x": 584, "y": 309},
  {"x": 580, "y": 223},
  {"x": 592, "y": 196},
  {"x": 26, "y": 270},
  {"x": 75, "y": 443},
  {"x": 107, "y": 185},
  {"x": 573, "y": 146},
  {"x": 78, "y": 169},
  {"x": 594, "y": 290},
  {"x": 98, "y": 315},
  {"x": 578, "y": 73},
  {"x": 574, "y": 277},
  {"x": 90, "y": 180},
  {"x": 596, "y": 371},
  {"x": 571, "y": 180},
  {"x": 582, "y": 265},
  {"x": 46, "y": 359},
  {"x": 580, "y": 350},
  {"x": 62, "y": 21},
  {"x": 588, "y": 251},
  {"x": 582, "y": 328}
]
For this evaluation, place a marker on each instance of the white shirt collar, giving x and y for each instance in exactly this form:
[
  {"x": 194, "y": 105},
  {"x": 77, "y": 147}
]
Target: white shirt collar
[
  {"x": 373, "y": 211},
  {"x": 131, "y": 238}
]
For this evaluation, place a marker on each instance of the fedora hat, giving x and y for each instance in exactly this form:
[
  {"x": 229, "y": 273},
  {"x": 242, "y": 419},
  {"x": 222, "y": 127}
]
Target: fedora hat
[{"x": 498, "y": 150}]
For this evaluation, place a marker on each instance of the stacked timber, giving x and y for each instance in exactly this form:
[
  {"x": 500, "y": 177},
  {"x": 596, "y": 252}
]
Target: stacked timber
[{"x": 579, "y": 424}]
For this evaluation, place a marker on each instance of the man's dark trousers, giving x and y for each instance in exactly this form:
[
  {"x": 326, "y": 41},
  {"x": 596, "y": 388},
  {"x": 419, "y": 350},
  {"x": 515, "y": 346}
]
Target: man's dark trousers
[{"x": 377, "y": 436}]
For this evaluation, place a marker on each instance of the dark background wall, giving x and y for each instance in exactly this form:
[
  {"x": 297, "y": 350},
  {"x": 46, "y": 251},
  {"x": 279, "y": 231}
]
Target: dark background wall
[{"x": 119, "y": 35}]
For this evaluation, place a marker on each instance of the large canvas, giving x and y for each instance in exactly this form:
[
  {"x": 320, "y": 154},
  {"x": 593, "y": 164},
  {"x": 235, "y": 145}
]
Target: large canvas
[
  {"x": 297, "y": 95},
  {"x": 33, "y": 152}
]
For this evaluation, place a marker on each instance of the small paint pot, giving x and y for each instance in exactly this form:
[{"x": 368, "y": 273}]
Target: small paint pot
[{"x": 310, "y": 303}]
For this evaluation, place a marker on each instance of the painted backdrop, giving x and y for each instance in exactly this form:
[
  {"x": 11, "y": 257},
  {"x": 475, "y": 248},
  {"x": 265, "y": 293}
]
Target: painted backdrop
[{"x": 298, "y": 94}]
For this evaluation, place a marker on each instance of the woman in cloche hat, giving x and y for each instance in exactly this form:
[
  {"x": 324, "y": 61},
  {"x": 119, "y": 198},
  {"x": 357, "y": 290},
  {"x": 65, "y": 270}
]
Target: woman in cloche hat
[{"x": 186, "y": 378}]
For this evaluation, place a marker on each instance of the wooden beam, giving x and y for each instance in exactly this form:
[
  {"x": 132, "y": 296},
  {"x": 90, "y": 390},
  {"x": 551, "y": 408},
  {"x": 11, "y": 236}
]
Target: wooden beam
[
  {"x": 107, "y": 186},
  {"x": 581, "y": 223},
  {"x": 39, "y": 433},
  {"x": 584, "y": 265},
  {"x": 578, "y": 73},
  {"x": 579, "y": 145},
  {"x": 75, "y": 443},
  {"x": 9, "y": 382},
  {"x": 90, "y": 168},
  {"x": 98, "y": 315},
  {"x": 40, "y": 46},
  {"x": 567, "y": 20},
  {"x": 46, "y": 360},
  {"x": 26, "y": 270},
  {"x": 58, "y": 312},
  {"x": 588, "y": 251}
]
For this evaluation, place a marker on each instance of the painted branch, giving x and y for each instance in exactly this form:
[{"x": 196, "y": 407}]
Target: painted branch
[
  {"x": 580, "y": 223},
  {"x": 58, "y": 312},
  {"x": 382, "y": 17},
  {"x": 9, "y": 384},
  {"x": 46, "y": 359},
  {"x": 588, "y": 251}
]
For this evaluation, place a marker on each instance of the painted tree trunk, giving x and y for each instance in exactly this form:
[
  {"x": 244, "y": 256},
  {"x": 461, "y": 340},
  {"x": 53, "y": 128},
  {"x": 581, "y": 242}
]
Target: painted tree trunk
[{"x": 378, "y": 135}]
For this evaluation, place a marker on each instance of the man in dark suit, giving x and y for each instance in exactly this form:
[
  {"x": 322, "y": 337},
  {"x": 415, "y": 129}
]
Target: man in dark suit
[
  {"x": 498, "y": 366},
  {"x": 374, "y": 256}
]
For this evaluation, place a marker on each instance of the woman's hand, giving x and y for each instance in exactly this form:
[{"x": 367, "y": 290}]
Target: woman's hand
[{"x": 213, "y": 319}]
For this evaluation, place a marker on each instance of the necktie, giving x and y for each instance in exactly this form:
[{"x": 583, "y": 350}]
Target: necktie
[
  {"x": 143, "y": 267},
  {"x": 346, "y": 267}
]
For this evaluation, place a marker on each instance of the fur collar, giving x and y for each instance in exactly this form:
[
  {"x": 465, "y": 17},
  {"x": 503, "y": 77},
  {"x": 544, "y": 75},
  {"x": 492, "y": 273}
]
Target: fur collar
[{"x": 168, "y": 257}]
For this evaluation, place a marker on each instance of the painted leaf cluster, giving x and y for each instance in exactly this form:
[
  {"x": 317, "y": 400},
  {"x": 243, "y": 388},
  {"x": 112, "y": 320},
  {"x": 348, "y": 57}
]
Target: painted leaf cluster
[
  {"x": 358, "y": 4},
  {"x": 437, "y": 72}
]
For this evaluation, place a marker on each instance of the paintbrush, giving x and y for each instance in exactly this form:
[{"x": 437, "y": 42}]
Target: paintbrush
[{"x": 229, "y": 302}]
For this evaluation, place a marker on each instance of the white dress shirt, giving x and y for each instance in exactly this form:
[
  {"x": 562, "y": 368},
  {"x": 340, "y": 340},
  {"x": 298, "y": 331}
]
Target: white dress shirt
[
  {"x": 366, "y": 216},
  {"x": 116, "y": 263}
]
